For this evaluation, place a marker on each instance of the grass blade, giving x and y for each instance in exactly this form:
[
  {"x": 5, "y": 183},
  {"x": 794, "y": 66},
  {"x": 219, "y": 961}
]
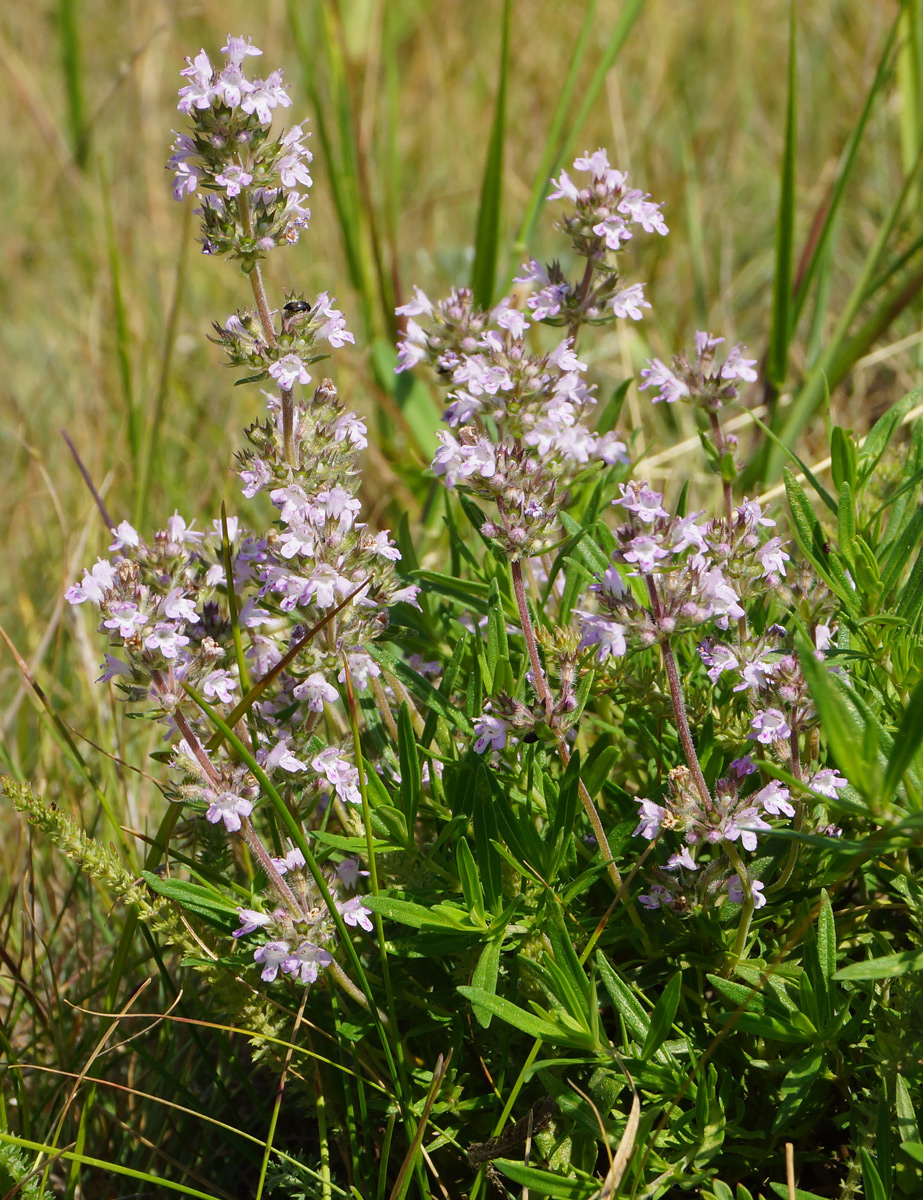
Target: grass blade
[{"x": 487, "y": 236}]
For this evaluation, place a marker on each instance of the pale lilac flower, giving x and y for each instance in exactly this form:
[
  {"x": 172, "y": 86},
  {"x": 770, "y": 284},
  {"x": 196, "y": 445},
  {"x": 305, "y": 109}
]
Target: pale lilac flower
[
  {"x": 292, "y": 861},
  {"x": 775, "y": 799},
  {"x": 514, "y": 321},
  {"x": 273, "y": 955},
  {"x": 682, "y": 859},
  {"x": 327, "y": 587},
  {"x": 608, "y": 635},
  {"x": 742, "y": 767},
  {"x": 756, "y": 675},
  {"x": 640, "y": 208},
  {"x": 773, "y": 557},
  {"x": 198, "y": 92},
  {"x": 738, "y": 367},
  {"x": 718, "y": 658},
  {"x": 94, "y": 585},
  {"x": 823, "y": 637},
  {"x": 491, "y": 731},
  {"x": 238, "y": 48},
  {"x": 611, "y": 449},
  {"x": 362, "y": 668},
  {"x": 250, "y": 919},
  {"x": 125, "y": 535},
  {"x": 112, "y": 667},
  {"x": 334, "y": 328},
  {"x": 180, "y": 534},
  {"x": 317, "y": 691},
  {"x": 642, "y": 501},
  {"x": 342, "y": 774},
  {"x": 652, "y": 816},
  {"x": 289, "y": 370},
  {"x": 629, "y": 302},
  {"x": 612, "y": 229},
  {"x": 166, "y": 638},
  {"x": 227, "y": 807},
  {"x": 828, "y": 781},
  {"x": 769, "y": 726},
  {"x": 744, "y": 825},
  {"x": 736, "y": 891},
  {"x": 354, "y": 913},
  {"x": 219, "y": 685},
  {"x": 419, "y": 306},
  {"x": 351, "y": 428},
  {"x": 231, "y": 85},
  {"x": 646, "y": 551},
  {"x": 722, "y": 600},
  {"x": 307, "y": 961},
  {"x": 178, "y": 607},
  {"x": 349, "y": 872},
  {"x": 233, "y": 178},
  {"x": 126, "y": 618},
  {"x": 670, "y": 387},
  {"x": 264, "y": 96},
  {"x": 412, "y": 348},
  {"x": 657, "y": 897},
  {"x": 284, "y": 758}
]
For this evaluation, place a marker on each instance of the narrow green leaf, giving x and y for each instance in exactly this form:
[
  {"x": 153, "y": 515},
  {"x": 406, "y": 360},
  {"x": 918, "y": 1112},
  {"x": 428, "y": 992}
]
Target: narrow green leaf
[
  {"x": 843, "y": 458},
  {"x": 487, "y": 236},
  {"x": 796, "y": 1089},
  {"x": 546, "y": 1183},
  {"x": 879, "y": 436},
  {"x": 203, "y": 901},
  {"x": 627, "y": 1005},
  {"x": 485, "y": 978},
  {"x": 846, "y": 522},
  {"x": 839, "y": 720},
  {"x": 469, "y": 877},
  {"x": 890, "y": 966},
  {"x": 874, "y": 1188},
  {"x": 421, "y": 688},
  {"x": 663, "y": 1015},
  {"x": 417, "y": 916},
  {"x": 527, "y": 1022},
  {"x": 781, "y": 328},
  {"x": 411, "y": 777},
  {"x": 907, "y": 743}
]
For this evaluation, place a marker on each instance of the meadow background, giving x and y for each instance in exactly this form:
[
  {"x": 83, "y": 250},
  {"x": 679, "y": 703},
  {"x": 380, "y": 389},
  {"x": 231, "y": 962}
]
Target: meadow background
[{"x": 105, "y": 305}]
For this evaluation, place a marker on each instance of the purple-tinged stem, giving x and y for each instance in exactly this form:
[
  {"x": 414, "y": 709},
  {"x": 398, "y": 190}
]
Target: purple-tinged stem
[
  {"x": 544, "y": 694},
  {"x": 679, "y": 704}
]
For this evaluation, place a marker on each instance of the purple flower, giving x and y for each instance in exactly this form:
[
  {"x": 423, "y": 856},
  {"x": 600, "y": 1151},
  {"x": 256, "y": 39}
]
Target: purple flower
[
  {"x": 775, "y": 798},
  {"x": 354, "y": 912},
  {"x": 646, "y": 551},
  {"x": 306, "y": 961},
  {"x": 317, "y": 691},
  {"x": 609, "y": 636},
  {"x": 745, "y": 825},
  {"x": 736, "y": 891},
  {"x": 718, "y": 658},
  {"x": 227, "y": 807},
  {"x": 250, "y": 919},
  {"x": 638, "y": 498},
  {"x": 652, "y": 816},
  {"x": 770, "y": 726},
  {"x": 491, "y": 731},
  {"x": 288, "y": 371},
  {"x": 670, "y": 387},
  {"x": 657, "y": 897},
  {"x": 273, "y": 955},
  {"x": 827, "y": 781}
]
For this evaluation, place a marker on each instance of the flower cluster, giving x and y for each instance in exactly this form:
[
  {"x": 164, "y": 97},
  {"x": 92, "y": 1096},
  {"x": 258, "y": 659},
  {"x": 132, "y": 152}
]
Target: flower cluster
[
  {"x": 520, "y": 418},
  {"x": 694, "y": 572},
  {"x": 716, "y": 833},
  {"x": 299, "y": 943},
  {"x": 702, "y": 382},
  {"x": 246, "y": 180},
  {"x": 278, "y": 621}
]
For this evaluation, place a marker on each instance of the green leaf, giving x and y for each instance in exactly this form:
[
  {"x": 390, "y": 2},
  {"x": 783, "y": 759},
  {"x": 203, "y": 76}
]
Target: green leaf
[
  {"x": 874, "y": 1187},
  {"x": 485, "y": 978},
  {"x": 470, "y": 879},
  {"x": 796, "y": 1089},
  {"x": 545, "y": 1183},
  {"x": 626, "y": 1003},
  {"x": 781, "y": 329},
  {"x": 663, "y": 1016},
  {"x": 840, "y": 721},
  {"x": 890, "y": 966},
  {"x": 907, "y": 743},
  {"x": 843, "y": 458},
  {"x": 846, "y": 522},
  {"x": 879, "y": 436},
  {"x": 487, "y": 237},
  {"x": 411, "y": 777},
  {"x": 529, "y": 1023},
  {"x": 405, "y": 912},
  {"x": 193, "y": 897}
]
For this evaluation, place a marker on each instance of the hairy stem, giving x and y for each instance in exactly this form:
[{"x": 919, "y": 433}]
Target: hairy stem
[
  {"x": 544, "y": 694},
  {"x": 679, "y": 704}
]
